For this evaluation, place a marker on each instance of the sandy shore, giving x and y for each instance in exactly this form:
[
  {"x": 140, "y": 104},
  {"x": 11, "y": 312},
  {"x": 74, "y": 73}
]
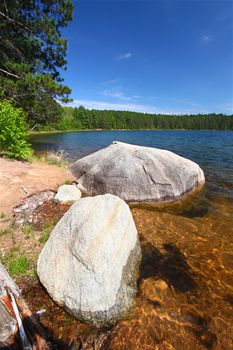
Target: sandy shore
[{"x": 18, "y": 177}]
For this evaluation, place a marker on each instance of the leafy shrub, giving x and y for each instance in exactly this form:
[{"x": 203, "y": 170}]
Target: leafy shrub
[{"x": 13, "y": 131}]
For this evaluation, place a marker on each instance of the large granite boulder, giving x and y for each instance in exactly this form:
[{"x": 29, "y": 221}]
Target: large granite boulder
[
  {"x": 90, "y": 263},
  {"x": 137, "y": 173}
]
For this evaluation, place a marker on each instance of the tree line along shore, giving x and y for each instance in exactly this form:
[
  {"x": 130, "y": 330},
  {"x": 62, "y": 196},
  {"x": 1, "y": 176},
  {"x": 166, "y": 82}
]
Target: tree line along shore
[{"x": 84, "y": 119}]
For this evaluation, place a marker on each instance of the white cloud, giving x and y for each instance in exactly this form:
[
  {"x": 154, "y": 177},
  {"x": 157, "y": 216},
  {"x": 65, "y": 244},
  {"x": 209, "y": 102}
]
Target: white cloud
[
  {"x": 120, "y": 95},
  {"x": 124, "y": 56},
  {"x": 206, "y": 39},
  {"x": 116, "y": 94},
  {"x": 135, "y": 107}
]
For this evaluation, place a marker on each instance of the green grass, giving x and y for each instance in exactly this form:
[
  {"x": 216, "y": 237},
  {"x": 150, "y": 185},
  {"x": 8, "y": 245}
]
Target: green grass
[
  {"x": 16, "y": 262},
  {"x": 52, "y": 158},
  {"x": 27, "y": 231},
  {"x": 44, "y": 237},
  {"x": 19, "y": 265},
  {"x": 33, "y": 157},
  {"x": 56, "y": 131},
  {"x": 47, "y": 229},
  {"x": 68, "y": 182},
  {"x": 56, "y": 158},
  {"x": 46, "y": 232}
]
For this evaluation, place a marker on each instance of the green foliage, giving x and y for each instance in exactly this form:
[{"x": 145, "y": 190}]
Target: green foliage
[
  {"x": 33, "y": 53},
  {"x": 68, "y": 123},
  {"x": 13, "y": 131},
  {"x": 81, "y": 119}
]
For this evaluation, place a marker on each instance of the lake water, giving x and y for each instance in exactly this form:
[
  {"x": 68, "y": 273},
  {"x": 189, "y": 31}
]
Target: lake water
[
  {"x": 185, "y": 298},
  {"x": 212, "y": 150}
]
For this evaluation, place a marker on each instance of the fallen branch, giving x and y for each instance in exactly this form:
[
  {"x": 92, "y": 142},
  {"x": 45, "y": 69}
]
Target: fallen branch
[{"x": 25, "y": 190}]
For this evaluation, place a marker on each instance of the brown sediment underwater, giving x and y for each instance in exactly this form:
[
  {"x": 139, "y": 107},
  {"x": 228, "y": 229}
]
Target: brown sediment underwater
[{"x": 185, "y": 298}]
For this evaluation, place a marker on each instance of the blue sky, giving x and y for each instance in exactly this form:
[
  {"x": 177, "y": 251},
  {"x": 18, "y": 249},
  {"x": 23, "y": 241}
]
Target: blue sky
[{"x": 151, "y": 56}]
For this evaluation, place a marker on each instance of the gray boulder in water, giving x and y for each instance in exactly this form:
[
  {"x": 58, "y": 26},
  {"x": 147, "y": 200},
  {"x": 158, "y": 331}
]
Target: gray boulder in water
[
  {"x": 90, "y": 263},
  {"x": 137, "y": 173}
]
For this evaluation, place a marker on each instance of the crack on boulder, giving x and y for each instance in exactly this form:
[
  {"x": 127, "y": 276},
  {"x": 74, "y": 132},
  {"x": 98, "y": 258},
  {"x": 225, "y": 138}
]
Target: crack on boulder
[
  {"x": 83, "y": 262},
  {"x": 151, "y": 178}
]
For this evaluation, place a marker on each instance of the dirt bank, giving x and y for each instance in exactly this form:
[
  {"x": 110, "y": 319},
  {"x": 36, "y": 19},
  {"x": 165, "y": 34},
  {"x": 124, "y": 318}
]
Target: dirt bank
[{"x": 17, "y": 178}]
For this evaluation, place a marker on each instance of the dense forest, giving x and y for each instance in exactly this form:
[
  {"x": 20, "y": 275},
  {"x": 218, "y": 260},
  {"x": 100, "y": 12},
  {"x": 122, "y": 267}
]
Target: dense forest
[{"x": 83, "y": 119}]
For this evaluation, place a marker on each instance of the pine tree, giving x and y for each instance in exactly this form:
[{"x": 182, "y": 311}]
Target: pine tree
[{"x": 32, "y": 52}]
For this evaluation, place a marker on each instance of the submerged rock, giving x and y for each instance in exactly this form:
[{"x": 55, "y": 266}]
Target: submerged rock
[
  {"x": 67, "y": 194},
  {"x": 137, "y": 173},
  {"x": 90, "y": 263}
]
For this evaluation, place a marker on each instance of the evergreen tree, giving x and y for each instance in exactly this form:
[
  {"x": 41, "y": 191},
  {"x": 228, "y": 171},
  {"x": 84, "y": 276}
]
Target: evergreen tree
[{"x": 32, "y": 53}]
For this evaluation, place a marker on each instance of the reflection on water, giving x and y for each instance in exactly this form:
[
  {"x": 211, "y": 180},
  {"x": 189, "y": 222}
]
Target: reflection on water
[{"x": 185, "y": 298}]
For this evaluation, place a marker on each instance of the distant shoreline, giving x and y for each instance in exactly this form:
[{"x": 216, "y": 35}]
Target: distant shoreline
[
  {"x": 31, "y": 133},
  {"x": 91, "y": 130}
]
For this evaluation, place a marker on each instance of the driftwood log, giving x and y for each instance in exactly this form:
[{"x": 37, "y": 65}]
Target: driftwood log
[{"x": 19, "y": 328}]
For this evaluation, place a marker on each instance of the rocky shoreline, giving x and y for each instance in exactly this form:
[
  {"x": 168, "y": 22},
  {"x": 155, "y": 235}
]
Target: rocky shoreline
[{"x": 81, "y": 297}]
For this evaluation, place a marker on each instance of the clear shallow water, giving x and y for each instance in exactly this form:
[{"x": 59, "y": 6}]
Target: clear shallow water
[{"x": 185, "y": 298}]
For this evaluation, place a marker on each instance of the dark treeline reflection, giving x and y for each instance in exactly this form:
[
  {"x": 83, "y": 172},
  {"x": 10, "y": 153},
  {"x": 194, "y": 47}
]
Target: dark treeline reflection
[{"x": 81, "y": 118}]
